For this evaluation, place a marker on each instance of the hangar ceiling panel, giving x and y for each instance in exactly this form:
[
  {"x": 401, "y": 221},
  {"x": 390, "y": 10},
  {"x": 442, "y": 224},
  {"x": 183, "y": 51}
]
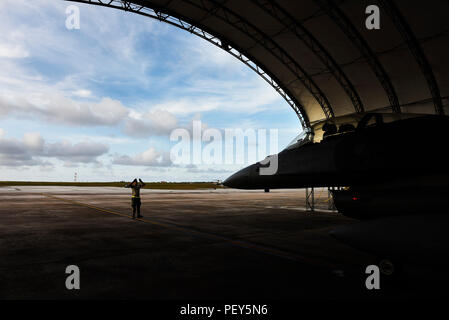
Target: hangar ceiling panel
[{"x": 318, "y": 53}]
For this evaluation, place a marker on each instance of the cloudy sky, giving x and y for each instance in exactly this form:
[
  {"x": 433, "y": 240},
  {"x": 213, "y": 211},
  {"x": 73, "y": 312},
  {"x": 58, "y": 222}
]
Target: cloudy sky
[{"x": 102, "y": 100}]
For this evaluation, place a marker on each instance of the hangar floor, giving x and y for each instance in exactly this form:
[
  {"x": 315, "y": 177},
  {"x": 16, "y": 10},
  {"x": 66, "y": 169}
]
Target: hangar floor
[{"x": 211, "y": 244}]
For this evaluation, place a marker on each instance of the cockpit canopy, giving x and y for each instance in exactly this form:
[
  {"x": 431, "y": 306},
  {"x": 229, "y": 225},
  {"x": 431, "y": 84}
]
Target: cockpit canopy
[{"x": 323, "y": 129}]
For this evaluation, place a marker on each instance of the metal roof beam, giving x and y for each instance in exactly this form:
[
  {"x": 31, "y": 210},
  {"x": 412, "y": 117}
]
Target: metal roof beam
[
  {"x": 416, "y": 50},
  {"x": 298, "y": 29},
  {"x": 271, "y": 46},
  {"x": 360, "y": 43}
]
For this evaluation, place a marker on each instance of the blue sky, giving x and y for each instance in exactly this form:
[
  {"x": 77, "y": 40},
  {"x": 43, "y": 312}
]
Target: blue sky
[{"x": 103, "y": 100}]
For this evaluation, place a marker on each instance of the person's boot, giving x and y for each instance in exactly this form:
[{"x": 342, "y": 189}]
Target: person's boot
[{"x": 138, "y": 213}]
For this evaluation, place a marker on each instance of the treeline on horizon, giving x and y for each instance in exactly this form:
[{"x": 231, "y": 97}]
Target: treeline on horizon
[{"x": 148, "y": 185}]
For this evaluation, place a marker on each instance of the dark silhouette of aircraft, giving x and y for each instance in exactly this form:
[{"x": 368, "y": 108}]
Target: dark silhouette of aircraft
[
  {"x": 391, "y": 166},
  {"x": 381, "y": 159}
]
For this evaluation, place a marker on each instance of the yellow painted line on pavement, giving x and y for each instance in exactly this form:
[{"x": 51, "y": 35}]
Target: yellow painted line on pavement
[
  {"x": 238, "y": 243},
  {"x": 105, "y": 210}
]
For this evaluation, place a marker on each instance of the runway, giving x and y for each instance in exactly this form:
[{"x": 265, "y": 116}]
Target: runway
[{"x": 207, "y": 244}]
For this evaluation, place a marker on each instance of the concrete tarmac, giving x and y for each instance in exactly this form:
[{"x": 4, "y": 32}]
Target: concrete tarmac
[{"x": 202, "y": 244}]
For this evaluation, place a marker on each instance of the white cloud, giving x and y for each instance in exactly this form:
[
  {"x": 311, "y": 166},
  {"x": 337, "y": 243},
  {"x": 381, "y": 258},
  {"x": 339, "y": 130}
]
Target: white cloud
[
  {"x": 82, "y": 93},
  {"x": 33, "y": 141},
  {"x": 58, "y": 109},
  {"x": 16, "y": 153},
  {"x": 32, "y": 148},
  {"x": 157, "y": 122},
  {"x": 150, "y": 158},
  {"x": 85, "y": 152},
  {"x": 240, "y": 97},
  {"x": 12, "y": 51}
]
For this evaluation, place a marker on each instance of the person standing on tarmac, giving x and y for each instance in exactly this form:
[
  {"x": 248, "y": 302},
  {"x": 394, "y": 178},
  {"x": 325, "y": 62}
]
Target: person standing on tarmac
[{"x": 135, "y": 199}]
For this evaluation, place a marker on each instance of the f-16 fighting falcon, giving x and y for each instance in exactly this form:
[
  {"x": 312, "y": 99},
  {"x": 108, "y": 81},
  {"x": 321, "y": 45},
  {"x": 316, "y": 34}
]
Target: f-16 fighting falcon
[{"x": 390, "y": 171}]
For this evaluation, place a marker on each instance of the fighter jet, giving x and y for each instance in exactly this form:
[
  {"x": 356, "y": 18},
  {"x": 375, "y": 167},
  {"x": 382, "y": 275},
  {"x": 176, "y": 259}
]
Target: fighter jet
[
  {"x": 391, "y": 171},
  {"x": 385, "y": 164}
]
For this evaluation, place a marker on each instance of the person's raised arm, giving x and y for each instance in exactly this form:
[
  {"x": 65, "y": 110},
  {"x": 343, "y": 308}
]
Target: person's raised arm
[
  {"x": 142, "y": 183},
  {"x": 129, "y": 185}
]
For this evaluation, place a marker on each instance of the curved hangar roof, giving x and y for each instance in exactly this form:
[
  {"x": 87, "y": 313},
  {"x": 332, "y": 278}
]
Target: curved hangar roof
[{"x": 319, "y": 55}]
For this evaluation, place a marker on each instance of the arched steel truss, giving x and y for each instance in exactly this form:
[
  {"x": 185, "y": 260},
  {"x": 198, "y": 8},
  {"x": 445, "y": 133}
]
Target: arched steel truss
[
  {"x": 164, "y": 15},
  {"x": 262, "y": 39},
  {"x": 359, "y": 42},
  {"x": 416, "y": 50},
  {"x": 298, "y": 29}
]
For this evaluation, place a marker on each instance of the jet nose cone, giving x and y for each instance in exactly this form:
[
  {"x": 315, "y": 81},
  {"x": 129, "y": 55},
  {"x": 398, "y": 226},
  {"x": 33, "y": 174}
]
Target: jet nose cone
[{"x": 238, "y": 180}]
